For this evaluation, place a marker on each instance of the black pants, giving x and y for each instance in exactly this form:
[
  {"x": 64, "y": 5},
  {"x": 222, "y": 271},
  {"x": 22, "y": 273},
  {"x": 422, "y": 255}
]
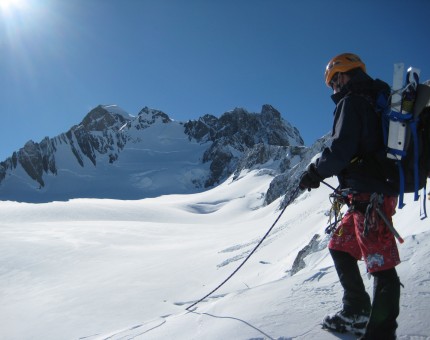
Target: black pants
[{"x": 386, "y": 296}]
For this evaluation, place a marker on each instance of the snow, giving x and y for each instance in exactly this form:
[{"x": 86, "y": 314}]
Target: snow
[
  {"x": 115, "y": 109},
  {"x": 117, "y": 269}
]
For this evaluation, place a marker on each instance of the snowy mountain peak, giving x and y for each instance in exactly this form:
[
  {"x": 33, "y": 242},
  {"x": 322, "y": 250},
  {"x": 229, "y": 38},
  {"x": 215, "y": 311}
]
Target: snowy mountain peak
[
  {"x": 115, "y": 109},
  {"x": 152, "y": 115},
  {"x": 101, "y": 119}
]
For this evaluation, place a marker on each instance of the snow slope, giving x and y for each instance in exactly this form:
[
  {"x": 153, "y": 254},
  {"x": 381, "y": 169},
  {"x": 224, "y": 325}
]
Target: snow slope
[{"x": 110, "y": 269}]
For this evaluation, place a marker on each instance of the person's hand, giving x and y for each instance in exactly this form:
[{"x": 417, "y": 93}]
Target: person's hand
[{"x": 310, "y": 179}]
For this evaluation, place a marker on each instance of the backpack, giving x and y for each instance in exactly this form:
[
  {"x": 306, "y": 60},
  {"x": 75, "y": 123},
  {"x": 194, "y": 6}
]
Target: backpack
[{"x": 406, "y": 165}]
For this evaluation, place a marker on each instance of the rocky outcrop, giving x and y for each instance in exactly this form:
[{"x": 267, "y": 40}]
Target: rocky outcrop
[
  {"x": 99, "y": 132},
  {"x": 38, "y": 158},
  {"x": 292, "y": 166},
  {"x": 100, "y": 119},
  {"x": 235, "y": 135},
  {"x": 148, "y": 117},
  {"x": 310, "y": 248},
  {"x": 203, "y": 130}
]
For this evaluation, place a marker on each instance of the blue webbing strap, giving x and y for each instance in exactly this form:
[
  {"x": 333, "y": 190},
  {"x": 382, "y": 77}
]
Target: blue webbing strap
[
  {"x": 400, "y": 117},
  {"x": 396, "y": 152},
  {"x": 423, "y": 212}
]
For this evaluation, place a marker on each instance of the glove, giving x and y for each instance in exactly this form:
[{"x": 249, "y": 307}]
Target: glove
[{"x": 310, "y": 179}]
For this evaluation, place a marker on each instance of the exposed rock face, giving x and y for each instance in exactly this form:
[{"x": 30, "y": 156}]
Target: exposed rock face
[
  {"x": 236, "y": 133},
  {"x": 100, "y": 119},
  {"x": 97, "y": 133},
  {"x": 37, "y": 158},
  {"x": 310, "y": 248},
  {"x": 148, "y": 117}
]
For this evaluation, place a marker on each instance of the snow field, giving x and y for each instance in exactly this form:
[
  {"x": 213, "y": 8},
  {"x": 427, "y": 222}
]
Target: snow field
[{"x": 98, "y": 269}]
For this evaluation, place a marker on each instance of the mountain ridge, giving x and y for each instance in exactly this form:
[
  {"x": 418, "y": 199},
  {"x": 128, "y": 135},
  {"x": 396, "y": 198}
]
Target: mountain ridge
[{"x": 104, "y": 150}]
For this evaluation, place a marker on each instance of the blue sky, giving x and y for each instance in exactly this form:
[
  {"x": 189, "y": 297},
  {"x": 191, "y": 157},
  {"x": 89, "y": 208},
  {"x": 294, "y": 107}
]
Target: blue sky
[{"x": 60, "y": 59}]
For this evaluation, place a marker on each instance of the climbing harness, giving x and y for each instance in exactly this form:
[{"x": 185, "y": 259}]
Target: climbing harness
[
  {"x": 341, "y": 197},
  {"x": 292, "y": 197}
]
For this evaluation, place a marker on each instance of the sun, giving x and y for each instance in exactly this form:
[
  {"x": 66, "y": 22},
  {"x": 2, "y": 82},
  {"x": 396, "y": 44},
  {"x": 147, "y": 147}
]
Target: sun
[{"x": 9, "y": 6}]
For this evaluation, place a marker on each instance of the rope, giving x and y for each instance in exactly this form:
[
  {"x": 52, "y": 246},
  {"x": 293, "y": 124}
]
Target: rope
[
  {"x": 236, "y": 319},
  {"x": 329, "y": 186},
  {"x": 250, "y": 254}
]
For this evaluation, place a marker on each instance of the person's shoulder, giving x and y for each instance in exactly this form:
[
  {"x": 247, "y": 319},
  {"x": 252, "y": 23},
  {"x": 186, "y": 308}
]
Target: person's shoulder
[
  {"x": 355, "y": 104},
  {"x": 356, "y": 99}
]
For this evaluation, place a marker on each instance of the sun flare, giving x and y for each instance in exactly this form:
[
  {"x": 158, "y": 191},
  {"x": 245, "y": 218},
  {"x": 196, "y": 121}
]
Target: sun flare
[{"x": 8, "y": 6}]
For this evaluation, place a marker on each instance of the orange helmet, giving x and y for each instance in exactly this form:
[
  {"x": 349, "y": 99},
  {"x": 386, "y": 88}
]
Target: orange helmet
[{"x": 342, "y": 63}]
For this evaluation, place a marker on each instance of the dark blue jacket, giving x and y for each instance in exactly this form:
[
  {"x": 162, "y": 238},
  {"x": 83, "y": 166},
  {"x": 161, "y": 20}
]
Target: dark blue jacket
[{"x": 357, "y": 133}]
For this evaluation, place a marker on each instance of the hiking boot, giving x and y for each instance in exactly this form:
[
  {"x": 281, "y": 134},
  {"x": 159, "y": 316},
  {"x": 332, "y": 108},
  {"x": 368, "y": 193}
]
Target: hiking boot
[{"x": 344, "y": 321}]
